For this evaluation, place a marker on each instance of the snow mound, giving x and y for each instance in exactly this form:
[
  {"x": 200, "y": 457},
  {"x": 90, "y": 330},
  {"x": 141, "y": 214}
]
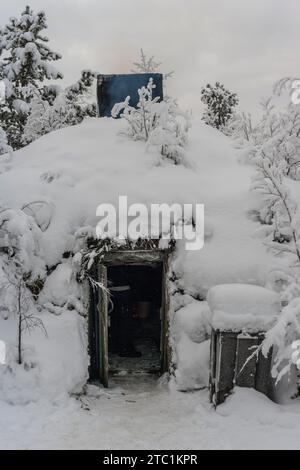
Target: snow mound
[
  {"x": 63, "y": 176},
  {"x": 61, "y": 179},
  {"x": 191, "y": 333},
  {"x": 61, "y": 289},
  {"x": 192, "y": 370},
  {"x": 246, "y": 307},
  {"x": 54, "y": 366},
  {"x": 194, "y": 320}
]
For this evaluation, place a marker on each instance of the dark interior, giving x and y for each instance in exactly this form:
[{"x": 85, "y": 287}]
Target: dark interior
[{"x": 134, "y": 318}]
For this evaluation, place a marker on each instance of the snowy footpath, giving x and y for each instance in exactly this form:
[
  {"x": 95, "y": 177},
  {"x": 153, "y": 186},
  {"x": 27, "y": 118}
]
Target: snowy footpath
[{"x": 144, "y": 415}]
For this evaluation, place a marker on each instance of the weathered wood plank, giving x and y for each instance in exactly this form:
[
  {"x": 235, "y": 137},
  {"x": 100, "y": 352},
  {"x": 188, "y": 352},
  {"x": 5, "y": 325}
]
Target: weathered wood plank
[
  {"x": 103, "y": 326},
  {"x": 245, "y": 369},
  {"x": 166, "y": 352},
  {"x": 263, "y": 371},
  {"x": 225, "y": 365},
  {"x": 133, "y": 257}
]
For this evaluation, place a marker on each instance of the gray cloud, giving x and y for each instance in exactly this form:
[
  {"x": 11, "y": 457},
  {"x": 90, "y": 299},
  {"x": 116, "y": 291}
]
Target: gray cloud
[{"x": 246, "y": 44}]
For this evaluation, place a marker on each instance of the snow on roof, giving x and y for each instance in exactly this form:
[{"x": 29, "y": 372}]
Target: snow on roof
[
  {"x": 77, "y": 168},
  {"x": 242, "y": 306}
]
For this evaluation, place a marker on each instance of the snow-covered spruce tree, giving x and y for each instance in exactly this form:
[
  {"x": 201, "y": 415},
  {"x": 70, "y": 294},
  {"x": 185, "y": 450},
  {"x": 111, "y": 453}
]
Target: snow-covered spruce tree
[
  {"x": 159, "y": 123},
  {"x": 4, "y": 147},
  {"x": 220, "y": 104},
  {"x": 25, "y": 64},
  {"x": 69, "y": 107},
  {"x": 149, "y": 65}
]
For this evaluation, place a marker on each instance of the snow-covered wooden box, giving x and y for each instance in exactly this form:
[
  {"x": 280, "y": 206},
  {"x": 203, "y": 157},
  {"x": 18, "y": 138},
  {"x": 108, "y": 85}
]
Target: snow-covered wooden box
[{"x": 241, "y": 314}]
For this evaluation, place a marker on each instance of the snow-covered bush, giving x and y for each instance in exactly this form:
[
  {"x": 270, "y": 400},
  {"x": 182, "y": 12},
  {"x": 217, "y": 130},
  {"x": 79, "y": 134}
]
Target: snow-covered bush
[
  {"x": 4, "y": 147},
  {"x": 159, "y": 123},
  {"x": 273, "y": 146},
  {"x": 21, "y": 264},
  {"x": 61, "y": 290},
  {"x": 220, "y": 105},
  {"x": 282, "y": 213},
  {"x": 277, "y": 132},
  {"x": 284, "y": 337},
  {"x": 69, "y": 107}
]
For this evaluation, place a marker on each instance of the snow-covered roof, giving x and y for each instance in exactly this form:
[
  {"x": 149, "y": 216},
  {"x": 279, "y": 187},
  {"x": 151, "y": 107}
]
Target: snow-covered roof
[
  {"x": 238, "y": 307},
  {"x": 77, "y": 168}
]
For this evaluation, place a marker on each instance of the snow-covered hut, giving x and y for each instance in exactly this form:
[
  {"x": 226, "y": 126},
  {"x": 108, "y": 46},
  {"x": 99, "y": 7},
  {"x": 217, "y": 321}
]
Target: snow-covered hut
[{"x": 50, "y": 191}]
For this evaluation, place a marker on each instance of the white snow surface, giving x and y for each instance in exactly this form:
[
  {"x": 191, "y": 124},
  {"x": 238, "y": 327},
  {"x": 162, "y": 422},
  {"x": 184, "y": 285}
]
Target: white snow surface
[
  {"x": 143, "y": 415},
  {"x": 66, "y": 174},
  {"x": 239, "y": 307},
  {"x": 76, "y": 168},
  {"x": 57, "y": 365},
  {"x": 191, "y": 332}
]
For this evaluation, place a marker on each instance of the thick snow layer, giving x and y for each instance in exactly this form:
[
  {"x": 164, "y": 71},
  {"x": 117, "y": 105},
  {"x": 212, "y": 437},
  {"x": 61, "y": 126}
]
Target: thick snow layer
[
  {"x": 192, "y": 367},
  {"x": 75, "y": 169},
  {"x": 61, "y": 289},
  {"x": 61, "y": 178},
  {"x": 194, "y": 319},
  {"x": 144, "y": 416},
  {"x": 191, "y": 332},
  {"x": 243, "y": 307},
  {"x": 54, "y": 365}
]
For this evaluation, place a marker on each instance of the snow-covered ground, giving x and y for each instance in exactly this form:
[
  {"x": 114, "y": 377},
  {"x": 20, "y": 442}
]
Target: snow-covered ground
[{"x": 144, "y": 415}]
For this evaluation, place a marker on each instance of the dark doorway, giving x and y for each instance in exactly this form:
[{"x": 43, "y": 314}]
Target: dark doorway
[
  {"x": 129, "y": 315},
  {"x": 135, "y": 318}
]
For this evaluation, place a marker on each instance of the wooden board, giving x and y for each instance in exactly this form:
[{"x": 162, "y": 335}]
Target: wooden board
[
  {"x": 165, "y": 321},
  {"x": 245, "y": 368},
  {"x": 133, "y": 257},
  {"x": 103, "y": 326}
]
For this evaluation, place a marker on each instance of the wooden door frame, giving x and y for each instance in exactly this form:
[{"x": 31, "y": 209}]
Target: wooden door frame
[
  {"x": 102, "y": 307},
  {"x": 100, "y": 303}
]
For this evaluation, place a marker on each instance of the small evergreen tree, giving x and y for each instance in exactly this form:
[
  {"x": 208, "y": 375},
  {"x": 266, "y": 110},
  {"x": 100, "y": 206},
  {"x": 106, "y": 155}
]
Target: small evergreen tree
[
  {"x": 220, "y": 103},
  {"x": 25, "y": 64}
]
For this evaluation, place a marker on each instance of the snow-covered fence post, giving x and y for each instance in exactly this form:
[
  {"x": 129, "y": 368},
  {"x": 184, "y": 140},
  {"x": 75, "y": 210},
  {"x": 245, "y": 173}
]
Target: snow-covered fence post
[{"x": 241, "y": 314}]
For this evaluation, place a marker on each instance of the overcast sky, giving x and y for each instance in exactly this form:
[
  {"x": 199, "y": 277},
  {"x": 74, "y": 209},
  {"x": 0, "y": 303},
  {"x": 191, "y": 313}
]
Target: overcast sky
[{"x": 246, "y": 44}]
